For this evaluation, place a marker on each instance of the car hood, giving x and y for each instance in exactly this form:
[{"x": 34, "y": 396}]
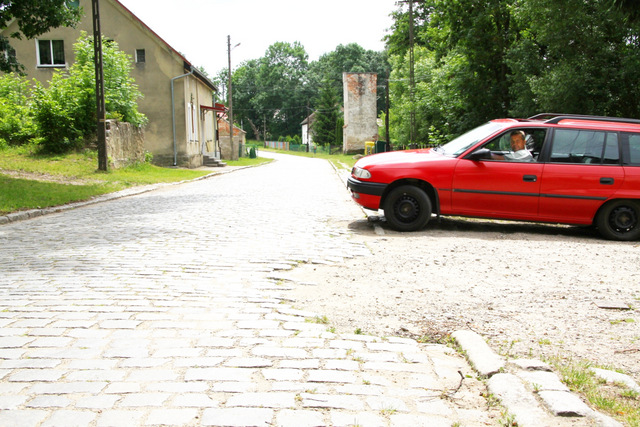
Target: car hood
[{"x": 405, "y": 158}]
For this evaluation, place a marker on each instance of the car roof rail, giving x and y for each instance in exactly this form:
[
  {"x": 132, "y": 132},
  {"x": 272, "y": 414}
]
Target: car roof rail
[{"x": 553, "y": 118}]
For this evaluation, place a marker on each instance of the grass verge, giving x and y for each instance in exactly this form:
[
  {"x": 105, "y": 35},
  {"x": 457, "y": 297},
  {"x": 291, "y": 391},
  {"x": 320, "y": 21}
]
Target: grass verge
[
  {"x": 32, "y": 181},
  {"x": 616, "y": 400}
]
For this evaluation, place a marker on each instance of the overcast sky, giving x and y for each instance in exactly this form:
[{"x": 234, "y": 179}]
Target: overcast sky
[{"x": 198, "y": 29}]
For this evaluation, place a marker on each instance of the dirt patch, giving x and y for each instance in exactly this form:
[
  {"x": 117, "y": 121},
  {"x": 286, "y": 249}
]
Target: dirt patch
[{"x": 532, "y": 290}]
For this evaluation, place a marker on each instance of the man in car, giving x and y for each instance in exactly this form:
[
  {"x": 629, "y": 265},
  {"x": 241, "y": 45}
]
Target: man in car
[{"x": 519, "y": 152}]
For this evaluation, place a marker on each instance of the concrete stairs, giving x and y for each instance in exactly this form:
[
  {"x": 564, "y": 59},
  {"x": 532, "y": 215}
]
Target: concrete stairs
[{"x": 212, "y": 162}]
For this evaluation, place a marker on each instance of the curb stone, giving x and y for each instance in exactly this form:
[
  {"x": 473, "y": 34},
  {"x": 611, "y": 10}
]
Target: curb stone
[{"x": 514, "y": 390}]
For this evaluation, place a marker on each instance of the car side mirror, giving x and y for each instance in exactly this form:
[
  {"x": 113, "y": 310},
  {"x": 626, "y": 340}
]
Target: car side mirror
[{"x": 481, "y": 154}]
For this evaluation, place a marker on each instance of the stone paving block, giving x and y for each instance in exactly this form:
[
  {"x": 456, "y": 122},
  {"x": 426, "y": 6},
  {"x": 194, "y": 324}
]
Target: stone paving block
[
  {"x": 49, "y": 401},
  {"x": 149, "y": 375},
  {"x": 115, "y": 418},
  {"x": 216, "y": 342},
  {"x": 564, "y": 404},
  {"x": 69, "y": 418},
  {"x": 11, "y": 402},
  {"x": 97, "y": 375},
  {"x": 36, "y": 375},
  {"x": 267, "y": 351},
  {"x": 544, "y": 381},
  {"x": 144, "y": 399},
  {"x": 47, "y": 332},
  {"x": 28, "y": 363},
  {"x": 403, "y": 420},
  {"x": 195, "y": 400},
  {"x": 136, "y": 353},
  {"x": 13, "y": 332},
  {"x": 15, "y": 342},
  {"x": 248, "y": 362},
  {"x": 7, "y": 388},
  {"x": 282, "y": 374},
  {"x": 386, "y": 404},
  {"x": 299, "y": 418},
  {"x": 144, "y": 362},
  {"x": 172, "y": 417},
  {"x": 346, "y": 344},
  {"x": 194, "y": 362},
  {"x": 122, "y": 388},
  {"x": 234, "y": 387},
  {"x": 396, "y": 367},
  {"x": 329, "y": 376},
  {"x": 360, "y": 389},
  {"x": 178, "y": 352},
  {"x": 97, "y": 402},
  {"x": 485, "y": 361},
  {"x": 219, "y": 374},
  {"x": 303, "y": 342},
  {"x": 23, "y": 417},
  {"x": 341, "y": 365},
  {"x": 518, "y": 401},
  {"x": 376, "y": 357},
  {"x": 433, "y": 406},
  {"x": 300, "y": 364},
  {"x": 92, "y": 387},
  {"x": 329, "y": 353},
  {"x": 351, "y": 403},
  {"x": 178, "y": 386},
  {"x": 262, "y": 400},
  {"x": 368, "y": 419},
  {"x": 237, "y": 417}
]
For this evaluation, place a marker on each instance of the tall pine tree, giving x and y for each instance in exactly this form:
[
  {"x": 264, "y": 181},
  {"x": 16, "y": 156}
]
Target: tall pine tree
[{"x": 326, "y": 127}]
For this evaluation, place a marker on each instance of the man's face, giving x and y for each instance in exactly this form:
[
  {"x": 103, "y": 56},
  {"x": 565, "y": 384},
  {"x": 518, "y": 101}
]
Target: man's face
[{"x": 517, "y": 142}]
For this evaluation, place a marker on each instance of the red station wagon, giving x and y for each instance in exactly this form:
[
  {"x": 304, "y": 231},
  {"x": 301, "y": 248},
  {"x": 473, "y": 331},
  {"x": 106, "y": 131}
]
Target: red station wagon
[{"x": 582, "y": 170}]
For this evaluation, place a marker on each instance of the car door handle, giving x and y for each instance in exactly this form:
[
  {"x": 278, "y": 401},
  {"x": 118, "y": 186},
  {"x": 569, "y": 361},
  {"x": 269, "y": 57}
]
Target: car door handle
[
  {"x": 606, "y": 181},
  {"x": 529, "y": 178}
]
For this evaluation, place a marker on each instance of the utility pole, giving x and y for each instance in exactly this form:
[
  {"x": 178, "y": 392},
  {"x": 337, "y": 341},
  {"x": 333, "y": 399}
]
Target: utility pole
[
  {"x": 100, "y": 108},
  {"x": 234, "y": 151},
  {"x": 386, "y": 112},
  {"x": 412, "y": 81}
]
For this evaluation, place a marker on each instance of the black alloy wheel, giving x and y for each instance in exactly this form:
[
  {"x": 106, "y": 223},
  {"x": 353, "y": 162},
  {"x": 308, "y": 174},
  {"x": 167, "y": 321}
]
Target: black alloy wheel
[
  {"x": 407, "y": 208},
  {"x": 619, "y": 220}
]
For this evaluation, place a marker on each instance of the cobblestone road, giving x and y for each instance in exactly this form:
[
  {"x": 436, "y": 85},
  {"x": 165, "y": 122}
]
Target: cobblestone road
[{"x": 166, "y": 309}]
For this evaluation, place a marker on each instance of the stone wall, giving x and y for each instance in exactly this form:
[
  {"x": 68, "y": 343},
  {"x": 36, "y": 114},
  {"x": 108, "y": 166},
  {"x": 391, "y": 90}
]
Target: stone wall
[
  {"x": 360, "y": 96},
  {"x": 125, "y": 144}
]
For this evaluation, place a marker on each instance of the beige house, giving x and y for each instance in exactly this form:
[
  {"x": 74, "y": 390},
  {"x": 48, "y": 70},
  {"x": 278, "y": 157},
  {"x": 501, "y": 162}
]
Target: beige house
[{"x": 178, "y": 98}]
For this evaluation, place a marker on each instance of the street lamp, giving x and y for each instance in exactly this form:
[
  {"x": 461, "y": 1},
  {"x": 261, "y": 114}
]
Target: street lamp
[{"x": 234, "y": 152}]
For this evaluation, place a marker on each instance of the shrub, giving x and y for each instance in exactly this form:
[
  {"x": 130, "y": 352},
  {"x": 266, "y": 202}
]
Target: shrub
[{"x": 16, "y": 122}]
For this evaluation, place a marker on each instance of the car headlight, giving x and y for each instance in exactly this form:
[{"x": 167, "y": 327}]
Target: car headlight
[{"x": 361, "y": 173}]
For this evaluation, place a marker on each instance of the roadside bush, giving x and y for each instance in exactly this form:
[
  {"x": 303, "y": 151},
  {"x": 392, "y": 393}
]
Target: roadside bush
[
  {"x": 65, "y": 111},
  {"x": 16, "y": 122}
]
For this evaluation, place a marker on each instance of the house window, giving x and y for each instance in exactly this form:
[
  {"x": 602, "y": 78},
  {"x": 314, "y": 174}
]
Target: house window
[
  {"x": 51, "y": 53},
  {"x": 140, "y": 56}
]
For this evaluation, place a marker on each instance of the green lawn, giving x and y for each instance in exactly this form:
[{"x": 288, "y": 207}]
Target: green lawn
[{"x": 30, "y": 181}]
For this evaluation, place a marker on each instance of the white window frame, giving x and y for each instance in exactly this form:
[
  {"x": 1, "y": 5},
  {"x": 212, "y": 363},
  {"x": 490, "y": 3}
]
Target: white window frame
[{"x": 52, "y": 65}]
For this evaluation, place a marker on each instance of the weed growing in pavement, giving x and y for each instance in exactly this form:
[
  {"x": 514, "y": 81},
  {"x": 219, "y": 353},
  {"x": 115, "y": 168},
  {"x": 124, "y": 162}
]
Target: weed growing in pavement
[
  {"x": 358, "y": 331},
  {"x": 323, "y": 320},
  {"x": 617, "y": 400}
]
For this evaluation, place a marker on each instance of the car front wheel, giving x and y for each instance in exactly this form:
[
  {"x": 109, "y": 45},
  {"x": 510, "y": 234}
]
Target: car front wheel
[
  {"x": 407, "y": 208},
  {"x": 619, "y": 220}
]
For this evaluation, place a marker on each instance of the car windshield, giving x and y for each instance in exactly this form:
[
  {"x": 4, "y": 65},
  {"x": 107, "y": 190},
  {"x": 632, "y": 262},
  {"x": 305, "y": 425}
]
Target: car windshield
[{"x": 463, "y": 142}]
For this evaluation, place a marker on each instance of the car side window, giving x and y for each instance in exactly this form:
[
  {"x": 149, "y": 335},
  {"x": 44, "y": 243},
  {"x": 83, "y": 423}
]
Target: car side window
[
  {"x": 585, "y": 146},
  {"x": 534, "y": 138},
  {"x": 633, "y": 147}
]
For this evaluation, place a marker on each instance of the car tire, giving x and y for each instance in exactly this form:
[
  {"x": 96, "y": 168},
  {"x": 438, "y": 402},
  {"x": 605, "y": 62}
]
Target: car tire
[
  {"x": 407, "y": 208},
  {"x": 619, "y": 220}
]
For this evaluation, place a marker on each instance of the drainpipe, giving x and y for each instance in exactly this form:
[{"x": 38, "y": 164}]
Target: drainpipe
[{"x": 173, "y": 116}]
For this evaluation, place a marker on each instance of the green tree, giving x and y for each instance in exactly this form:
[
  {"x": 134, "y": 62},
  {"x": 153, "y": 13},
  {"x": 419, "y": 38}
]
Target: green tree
[
  {"x": 274, "y": 89},
  {"x": 350, "y": 58},
  {"x": 326, "y": 127},
  {"x": 65, "y": 110},
  {"x": 34, "y": 17}
]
